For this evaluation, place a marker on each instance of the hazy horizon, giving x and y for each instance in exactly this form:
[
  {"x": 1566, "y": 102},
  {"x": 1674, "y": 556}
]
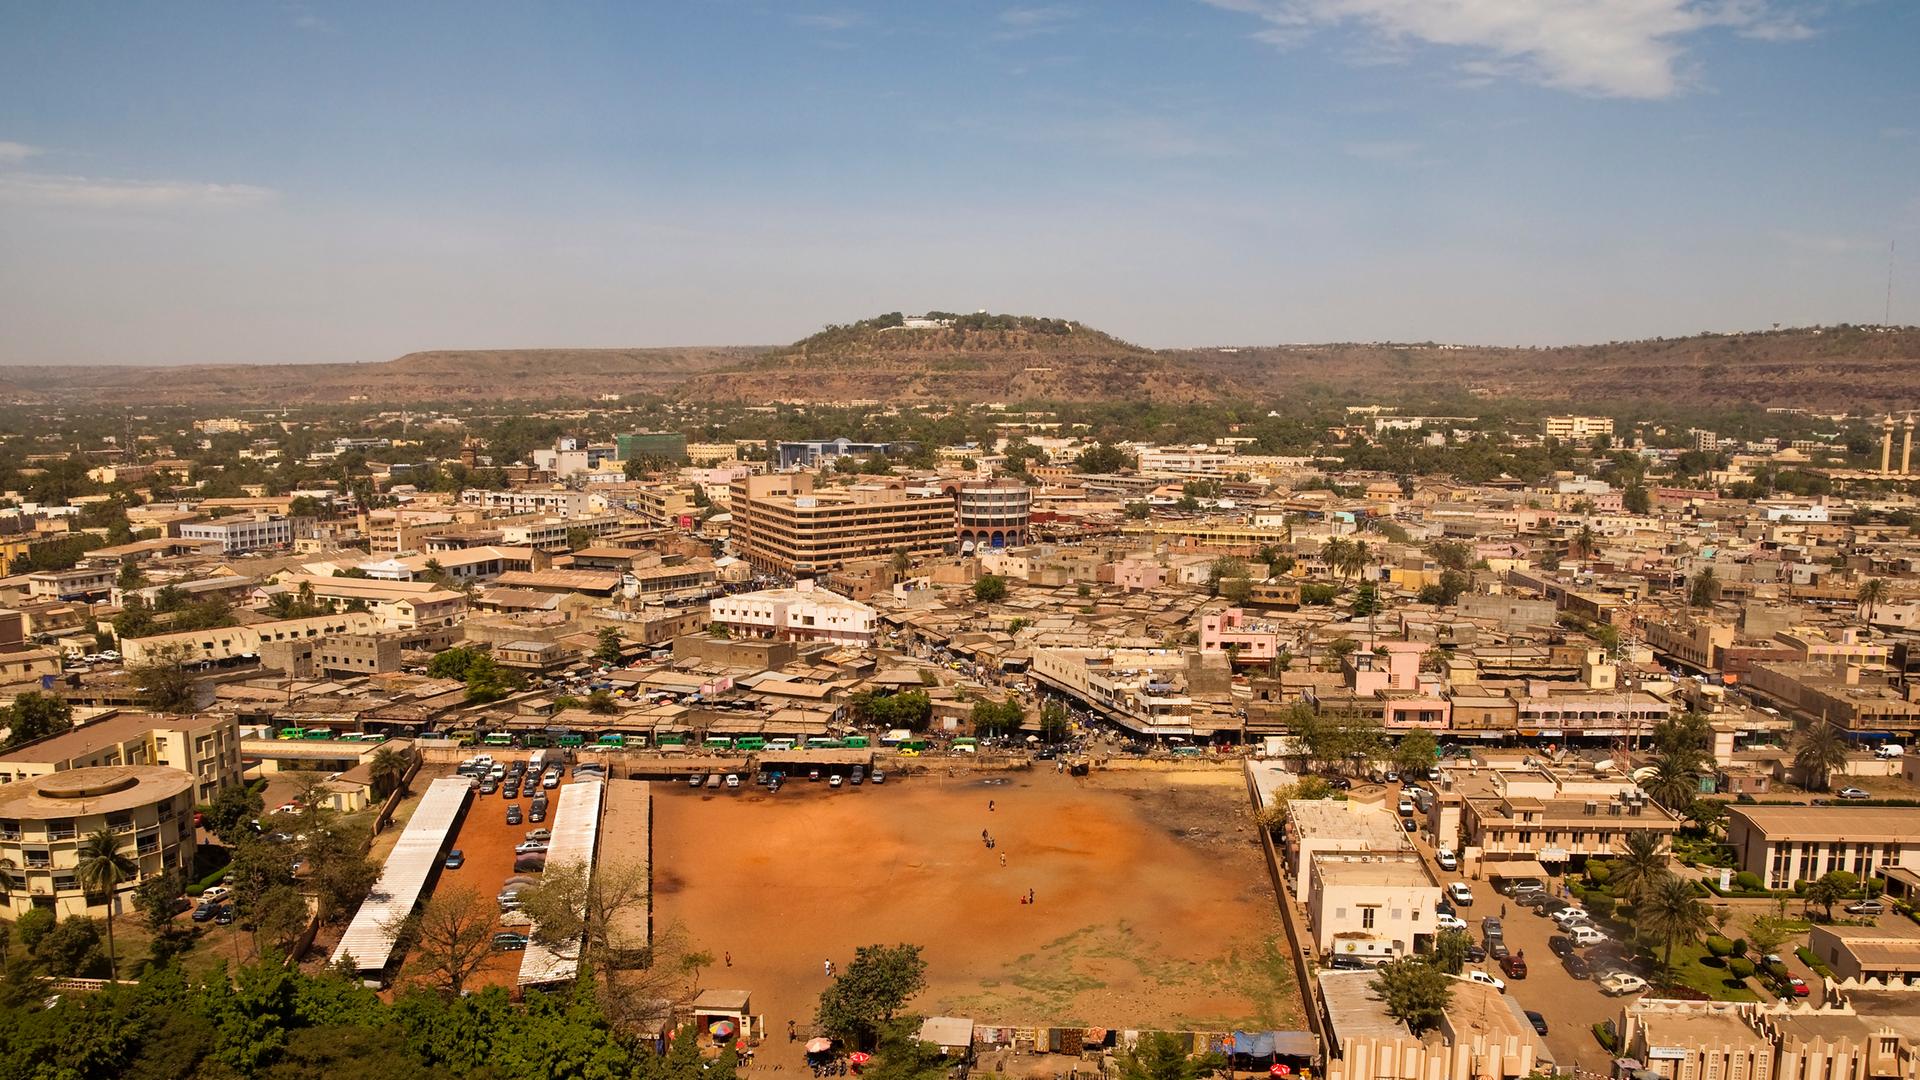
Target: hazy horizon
[{"x": 349, "y": 183}]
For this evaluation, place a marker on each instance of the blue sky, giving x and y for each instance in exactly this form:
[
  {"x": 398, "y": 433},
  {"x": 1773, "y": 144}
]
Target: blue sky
[{"x": 285, "y": 182}]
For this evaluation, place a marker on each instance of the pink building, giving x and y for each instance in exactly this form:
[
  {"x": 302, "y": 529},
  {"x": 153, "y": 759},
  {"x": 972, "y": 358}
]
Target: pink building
[
  {"x": 1409, "y": 699},
  {"x": 1139, "y": 575},
  {"x": 1253, "y": 639}
]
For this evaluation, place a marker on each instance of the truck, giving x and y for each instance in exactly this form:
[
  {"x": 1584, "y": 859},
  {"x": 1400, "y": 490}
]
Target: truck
[{"x": 538, "y": 762}]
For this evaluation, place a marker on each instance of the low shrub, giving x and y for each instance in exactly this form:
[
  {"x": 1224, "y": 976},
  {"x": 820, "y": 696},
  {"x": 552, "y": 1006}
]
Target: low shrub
[
  {"x": 1603, "y": 1031},
  {"x": 1748, "y": 881},
  {"x": 1720, "y": 947},
  {"x": 1740, "y": 967}
]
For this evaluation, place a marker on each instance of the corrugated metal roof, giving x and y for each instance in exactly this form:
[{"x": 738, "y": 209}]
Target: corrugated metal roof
[
  {"x": 369, "y": 937},
  {"x": 576, "y": 835}
]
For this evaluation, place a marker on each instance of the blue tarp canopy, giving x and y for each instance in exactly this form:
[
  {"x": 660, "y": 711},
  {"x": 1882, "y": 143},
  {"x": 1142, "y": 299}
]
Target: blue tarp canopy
[{"x": 1272, "y": 1044}]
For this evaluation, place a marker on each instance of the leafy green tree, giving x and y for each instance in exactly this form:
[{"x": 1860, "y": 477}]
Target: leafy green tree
[
  {"x": 1825, "y": 891},
  {"x": 231, "y": 810},
  {"x": 1636, "y": 499},
  {"x": 1054, "y": 720},
  {"x": 1703, "y": 588},
  {"x": 608, "y": 651},
  {"x": 1101, "y": 458},
  {"x": 72, "y": 947},
  {"x": 455, "y": 663},
  {"x": 601, "y": 702},
  {"x": 101, "y": 871},
  {"x": 1160, "y": 1055},
  {"x": 1414, "y": 991},
  {"x": 1416, "y": 753},
  {"x": 997, "y": 717},
  {"x": 387, "y": 769},
  {"x": 861, "y": 1000},
  {"x": 1873, "y": 592},
  {"x": 165, "y": 684},
  {"x": 1641, "y": 867},
  {"x": 1450, "y": 951},
  {"x": 990, "y": 589},
  {"x": 902, "y": 1056},
  {"x": 34, "y": 716}
]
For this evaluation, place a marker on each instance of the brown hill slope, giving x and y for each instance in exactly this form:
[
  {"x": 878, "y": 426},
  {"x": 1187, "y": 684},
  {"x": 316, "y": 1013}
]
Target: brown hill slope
[{"x": 1014, "y": 358}]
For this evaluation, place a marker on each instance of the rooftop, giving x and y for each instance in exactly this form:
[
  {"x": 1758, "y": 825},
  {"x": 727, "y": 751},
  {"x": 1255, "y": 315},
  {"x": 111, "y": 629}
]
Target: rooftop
[
  {"x": 88, "y": 739},
  {"x": 1857, "y": 823},
  {"x": 1343, "y": 870},
  {"x": 86, "y": 792}
]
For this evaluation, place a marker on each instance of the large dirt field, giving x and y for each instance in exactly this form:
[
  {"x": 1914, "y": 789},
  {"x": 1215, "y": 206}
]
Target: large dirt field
[{"x": 1152, "y": 903}]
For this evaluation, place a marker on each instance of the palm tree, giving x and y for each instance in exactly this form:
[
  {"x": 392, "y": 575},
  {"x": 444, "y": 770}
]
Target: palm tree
[
  {"x": 1675, "y": 781},
  {"x": 1358, "y": 556},
  {"x": 387, "y": 768},
  {"x": 1873, "y": 592},
  {"x": 1704, "y": 588},
  {"x": 1641, "y": 866},
  {"x": 1672, "y": 912},
  {"x": 1818, "y": 752},
  {"x": 1586, "y": 541},
  {"x": 1335, "y": 552},
  {"x": 101, "y": 871}
]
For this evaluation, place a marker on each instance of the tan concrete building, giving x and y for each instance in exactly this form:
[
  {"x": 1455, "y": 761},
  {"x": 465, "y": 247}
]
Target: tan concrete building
[
  {"x": 205, "y": 747},
  {"x": 782, "y": 525},
  {"x": 1686, "y": 1040},
  {"x": 1889, "y": 953},
  {"x": 1549, "y": 817},
  {"x": 1785, "y": 844},
  {"x": 44, "y": 820},
  {"x": 1370, "y": 907}
]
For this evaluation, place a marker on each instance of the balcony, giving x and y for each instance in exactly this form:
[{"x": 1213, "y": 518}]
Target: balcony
[{"x": 61, "y": 834}]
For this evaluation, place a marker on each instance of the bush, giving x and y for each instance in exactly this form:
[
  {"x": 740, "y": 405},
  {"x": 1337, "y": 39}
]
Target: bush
[
  {"x": 1740, "y": 967},
  {"x": 1740, "y": 946},
  {"x": 207, "y": 882},
  {"x": 1777, "y": 970},
  {"x": 1599, "y": 873},
  {"x": 1748, "y": 881},
  {"x": 1719, "y": 946},
  {"x": 1603, "y": 1031},
  {"x": 1599, "y": 904}
]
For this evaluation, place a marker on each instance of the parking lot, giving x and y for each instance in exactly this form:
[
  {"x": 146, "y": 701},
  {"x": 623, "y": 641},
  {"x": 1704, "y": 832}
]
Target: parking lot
[{"x": 486, "y": 842}]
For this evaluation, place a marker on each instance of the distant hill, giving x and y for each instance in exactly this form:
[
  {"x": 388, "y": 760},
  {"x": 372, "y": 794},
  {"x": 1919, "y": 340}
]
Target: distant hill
[{"x": 943, "y": 357}]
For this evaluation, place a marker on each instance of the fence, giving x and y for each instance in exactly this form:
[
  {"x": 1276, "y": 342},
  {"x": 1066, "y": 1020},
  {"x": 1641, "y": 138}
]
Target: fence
[{"x": 1290, "y": 918}]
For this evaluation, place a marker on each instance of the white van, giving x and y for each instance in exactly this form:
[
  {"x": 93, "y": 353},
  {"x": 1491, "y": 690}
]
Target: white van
[{"x": 1889, "y": 750}]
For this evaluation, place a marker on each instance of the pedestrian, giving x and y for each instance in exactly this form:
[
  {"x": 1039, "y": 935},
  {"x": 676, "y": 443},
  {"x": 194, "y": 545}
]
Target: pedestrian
[
  {"x": 826, "y": 966},
  {"x": 983, "y": 836},
  {"x": 989, "y": 806},
  {"x": 1029, "y": 896},
  {"x": 1503, "y": 909},
  {"x": 1003, "y": 858},
  {"x": 729, "y": 957}
]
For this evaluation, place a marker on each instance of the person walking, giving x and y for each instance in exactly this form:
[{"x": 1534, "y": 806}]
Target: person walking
[
  {"x": 729, "y": 957},
  {"x": 1003, "y": 859},
  {"x": 989, "y": 806},
  {"x": 827, "y": 966}
]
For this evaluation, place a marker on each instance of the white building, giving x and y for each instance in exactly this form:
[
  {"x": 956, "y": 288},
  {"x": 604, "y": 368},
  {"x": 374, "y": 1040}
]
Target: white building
[
  {"x": 566, "y": 504},
  {"x": 1208, "y": 461},
  {"x": 802, "y": 613},
  {"x": 235, "y": 535},
  {"x": 1371, "y": 906},
  {"x": 1576, "y": 428}
]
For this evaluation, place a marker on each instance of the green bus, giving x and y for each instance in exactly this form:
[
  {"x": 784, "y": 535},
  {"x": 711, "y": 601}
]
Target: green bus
[
  {"x": 572, "y": 740},
  {"x": 612, "y": 740},
  {"x": 750, "y": 742},
  {"x": 718, "y": 742},
  {"x": 293, "y": 733},
  {"x": 856, "y": 742},
  {"x": 498, "y": 738},
  {"x": 819, "y": 743},
  {"x": 673, "y": 740},
  {"x": 314, "y": 733}
]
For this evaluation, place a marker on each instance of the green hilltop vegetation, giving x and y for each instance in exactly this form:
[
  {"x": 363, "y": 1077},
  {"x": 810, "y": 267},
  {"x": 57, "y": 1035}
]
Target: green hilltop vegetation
[{"x": 979, "y": 331}]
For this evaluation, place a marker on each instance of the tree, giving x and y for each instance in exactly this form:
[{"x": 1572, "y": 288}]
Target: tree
[
  {"x": 451, "y": 937},
  {"x": 1414, "y": 991},
  {"x": 601, "y": 702},
  {"x": 1873, "y": 592},
  {"x": 1819, "y": 751},
  {"x": 71, "y": 947},
  {"x": 1101, "y": 458},
  {"x": 902, "y": 1056},
  {"x": 1222, "y": 568},
  {"x": 863, "y": 998},
  {"x": 258, "y": 866},
  {"x": 34, "y": 716},
  {"x": 1161, "y": 1055},
  {"x": 165, "y": 684},
  {"x": 1671, "y": 912},
  {"x": 1053, "y": 720},
  {"x": 101, "y": 871},
  {"x": 1416, "y": 753},
  {"x": 230, "y": 811},
  {"x": 990, "y": 717},
  {"x": 1640, "y": 867},
  {"x": 1450, "y": 951},
  {"x": 1636, "y": 499},
  {"x": 1236, "y": 590},
  {"x": 1451, "y": 554},
  {"x": 1586, "y": 541},
  {"x": 609, "y": 650},
  {"x": 990, "y": 589},
  {"x": 1825, "y": 891},
  {"x": 387, "y": 769},
  {"x": 454, "y": 663},
  {"x": 1675, "y": 781},
  {"x": 1703, "y": 588},
  {"x": 573, "y": 903},
  {"x": 279, "y": 918},
  {"x": 157, "y": 900}
]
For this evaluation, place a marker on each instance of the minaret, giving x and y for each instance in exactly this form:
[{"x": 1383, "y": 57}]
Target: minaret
[
  {"x": 1906, "y": 448},
  {"x": 1886, "y": 444}
]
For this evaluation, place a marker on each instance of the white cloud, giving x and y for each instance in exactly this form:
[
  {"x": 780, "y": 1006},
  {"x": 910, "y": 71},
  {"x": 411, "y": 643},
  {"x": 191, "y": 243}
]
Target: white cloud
[
  {"x": 1604, "y": 48},
  {"x": 1382, "y": 150},
  {"x": 14, "y": 152},
  {"x": 90, "y": 193}
]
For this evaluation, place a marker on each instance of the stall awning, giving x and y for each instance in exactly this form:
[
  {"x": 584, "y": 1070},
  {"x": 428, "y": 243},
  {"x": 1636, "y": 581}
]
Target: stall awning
[{"x": 1510, "y": 869}]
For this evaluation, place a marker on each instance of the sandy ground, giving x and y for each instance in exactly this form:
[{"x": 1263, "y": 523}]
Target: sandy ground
[{"x": 1152, "y": 905}]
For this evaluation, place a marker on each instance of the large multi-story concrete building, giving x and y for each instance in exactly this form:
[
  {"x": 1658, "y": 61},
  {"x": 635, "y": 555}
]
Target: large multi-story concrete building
[
  {"x": 235, "y": 535},
  {"x": 993, "y": 515},
  {"x": 1785, "y": 844},
  {"x": 45, "y": 820},
  {"x": 1371, "y": 907},
  {"x": 783, "y": 526},
  {"x": 1540, "y": 815},
  {"x": 204, "y": 747},
  {"x": 1578, "y": 428},
  {"x": 564, "y": 503},
  {"x": 399, "y": 605}
]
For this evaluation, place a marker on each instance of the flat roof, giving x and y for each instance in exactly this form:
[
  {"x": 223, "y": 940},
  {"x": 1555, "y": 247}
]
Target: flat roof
[
  {"x": 1854, "y": 823},
  {"x": 576, "y": 832},
  {"x": 115, "y": 729},
  {"x": 76, "y": 793},
  {"x": 1346, "y": 870},
  {"x": 1354, "y": 1010},
  {"x": 369, "y": 937}
]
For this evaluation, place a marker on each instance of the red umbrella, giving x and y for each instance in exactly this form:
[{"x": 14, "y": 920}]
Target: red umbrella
[
  {"x": 859, "y": 1057},
  {"x": 1278, "y": 1069}
]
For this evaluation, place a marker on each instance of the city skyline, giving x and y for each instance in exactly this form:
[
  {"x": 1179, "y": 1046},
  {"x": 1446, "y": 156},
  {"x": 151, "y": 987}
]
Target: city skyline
[{"x": 343, "y": 183}]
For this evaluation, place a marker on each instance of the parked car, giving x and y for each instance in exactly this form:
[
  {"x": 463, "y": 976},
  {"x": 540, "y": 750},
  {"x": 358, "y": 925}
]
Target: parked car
[
  {"x": 1444, "y": 908},
  {"x": 1622, "y": 982},
  {"x": 1450, "y": 922},
  {"x": 1535, "y": 901},
  {"x": 1577, "y": 966},
  {"x": 1866, "y": 907},
  {"x": 529, "y": 845},
  {"x": 1568, "y": 916},
  {"x": 1539, "y": 1022},
  {"x": 1515, "y": 966},
  {"x": 1797, "y": 986},
  {"x": 456, "y": 859},
  {"x": 223, "y": 917},
  {"x": 1446, "y": 858},
  {"x": 1852, "y": 793},
  {"x": 1483, "y": 978},
  {"x": 1525, "y": 888},
  {"x": 696, "y": 779},
  {"x": 205, "y": 912},
  {"x": 510, "y": 942},
  {"x": 488, "y": 787},
  {"x": 539, "y": 834},
  {"x": 1460, "y": 893},
  {"x": 1476, "y": 954},
  {"x": 537, "y": 814},
  {"x": 215, "y": 892},
  {"x": 1406, "y": 807},
  {"x": 513, "y": 814},
  {"x": 836, "y": 780},
  {"x": 878, "y": 777},
  {"x": 1584, "y": 935}
]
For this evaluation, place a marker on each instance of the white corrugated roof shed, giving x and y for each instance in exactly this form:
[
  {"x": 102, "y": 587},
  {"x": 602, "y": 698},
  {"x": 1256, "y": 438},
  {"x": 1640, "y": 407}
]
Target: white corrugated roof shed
[
  {"x": 369, "y": 937},
  {"x": 576, "y": 834}
]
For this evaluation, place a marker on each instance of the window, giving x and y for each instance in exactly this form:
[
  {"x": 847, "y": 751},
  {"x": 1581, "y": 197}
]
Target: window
[
  {"x": 65, "y": 883},
  {"x": 1366, "y": 918}
]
